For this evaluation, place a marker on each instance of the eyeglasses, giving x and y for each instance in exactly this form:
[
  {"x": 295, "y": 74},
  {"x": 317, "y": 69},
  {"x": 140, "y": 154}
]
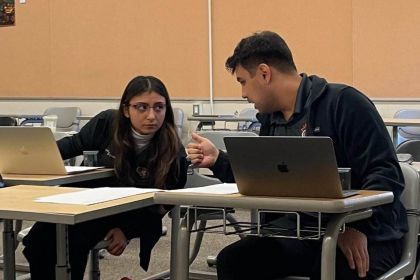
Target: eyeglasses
[{"x": 144, "y": 107}]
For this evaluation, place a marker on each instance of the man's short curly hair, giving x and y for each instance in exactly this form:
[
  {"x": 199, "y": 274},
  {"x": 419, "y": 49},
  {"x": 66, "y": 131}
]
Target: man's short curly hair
[{"x": 261, "y": 47}]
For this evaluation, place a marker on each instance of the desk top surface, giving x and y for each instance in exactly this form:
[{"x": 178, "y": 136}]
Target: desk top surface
[
  {"x": 401, "y": 122},
  {"x": 85, "y": 117},
  {"x": 23, "y": 116},
  {"x": 224, "y": 118},
  {"x": 51, "y": 180},
  {"x": 18, "y": 203},
  {"x": 365, "y": 199}
]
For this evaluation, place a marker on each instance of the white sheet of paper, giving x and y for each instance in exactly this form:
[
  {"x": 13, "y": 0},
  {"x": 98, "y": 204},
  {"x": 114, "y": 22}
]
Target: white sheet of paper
[
  {"x": 212, "y": 189},
  {"x": 92, "y": 196},
  {"x": 78, "y": 169}
]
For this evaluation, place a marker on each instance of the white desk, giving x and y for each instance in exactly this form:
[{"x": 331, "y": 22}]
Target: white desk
[
  {"x": 46, "y": 180},
  {"x": 35, "y": 118},
  {"x": 343, "y": 211},
  {"x": 52, "y": 180},
  {"x": 17, "y": 202},
  {"x": 211, "y": 119},
  {"x": 23, "y": 116},
  {"x": 395, "y": 123},
  {"x": 84, "y": 118}
]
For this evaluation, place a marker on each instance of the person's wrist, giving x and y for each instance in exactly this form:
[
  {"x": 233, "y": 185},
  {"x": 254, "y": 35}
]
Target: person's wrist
[
  {"x": 216, "y": 156},
  {"x": 354, "y": 230}
]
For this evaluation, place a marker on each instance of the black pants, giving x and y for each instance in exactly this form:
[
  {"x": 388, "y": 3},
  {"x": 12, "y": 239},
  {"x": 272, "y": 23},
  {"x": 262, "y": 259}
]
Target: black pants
[
  {"x": 40, "y": 243},
  {"x": 271, "y": 258}
]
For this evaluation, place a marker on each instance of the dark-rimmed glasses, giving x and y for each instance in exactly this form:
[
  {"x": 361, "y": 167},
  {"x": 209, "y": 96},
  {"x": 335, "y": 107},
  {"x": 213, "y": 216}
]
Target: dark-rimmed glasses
[{"x": 144, "y": 107}]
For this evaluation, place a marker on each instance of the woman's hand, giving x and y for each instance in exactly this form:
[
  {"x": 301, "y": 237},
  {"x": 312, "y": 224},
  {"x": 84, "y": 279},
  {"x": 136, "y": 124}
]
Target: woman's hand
[{"x": 118, "y": 241}]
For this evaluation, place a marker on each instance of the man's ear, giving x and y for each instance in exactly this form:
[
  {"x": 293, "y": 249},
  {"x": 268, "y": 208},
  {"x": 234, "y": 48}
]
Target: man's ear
[{"x": 265, "y": 72}]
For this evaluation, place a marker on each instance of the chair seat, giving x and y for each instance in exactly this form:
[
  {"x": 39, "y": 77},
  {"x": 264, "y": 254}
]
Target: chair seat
[{"x": 24, "y": 232}]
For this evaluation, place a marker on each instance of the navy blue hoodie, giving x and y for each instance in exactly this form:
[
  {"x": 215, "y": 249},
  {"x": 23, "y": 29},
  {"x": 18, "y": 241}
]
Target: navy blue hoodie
[{"x": 361, "y": 142}]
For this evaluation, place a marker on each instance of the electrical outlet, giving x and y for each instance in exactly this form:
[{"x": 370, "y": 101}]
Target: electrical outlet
[
  {"x": 22, "y": 1},
  {"x": 196, "y": 109}
]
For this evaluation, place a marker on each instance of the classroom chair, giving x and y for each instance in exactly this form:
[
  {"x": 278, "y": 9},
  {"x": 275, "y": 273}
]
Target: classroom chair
[
  {"x": 217, "y": 136},
  {"x": 195, "y": 179},
  {"x": 198, "y": 180},
  {"x": 408, "y": 132},
  {"x": 252, "y": 125},
  {"x": 94, "y": 271},
  {"x": 411, "y": 200},
  {"x": 66, "y": 118},
  {"x": 8, "y": 121},
  {"x": 411, "y": 147},
  {"x": 179, "y": 120},
  {"x": 93, "y": 263}
]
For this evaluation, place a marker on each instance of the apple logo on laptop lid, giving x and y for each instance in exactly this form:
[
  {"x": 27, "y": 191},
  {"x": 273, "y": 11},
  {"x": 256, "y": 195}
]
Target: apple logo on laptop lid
[
  {"x": 23, "y": 150},
  {"x": 282, "y": 167}
]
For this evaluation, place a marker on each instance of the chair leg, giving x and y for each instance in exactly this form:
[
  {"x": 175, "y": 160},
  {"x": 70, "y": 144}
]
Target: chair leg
[
  {"x": 211, "y": 261},
  {"x": 95, "y": 273},
  {"x": 416, "y": 272},
  {"x": 18, "y": 228},
  {"x": 234, "y": 222},
  {"x": 164, "y": 230},
  {"x": 198, "y": 239}
]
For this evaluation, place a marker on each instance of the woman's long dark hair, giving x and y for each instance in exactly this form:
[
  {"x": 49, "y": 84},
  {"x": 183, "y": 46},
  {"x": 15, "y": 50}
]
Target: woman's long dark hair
[{"x": 166, "y": 142}]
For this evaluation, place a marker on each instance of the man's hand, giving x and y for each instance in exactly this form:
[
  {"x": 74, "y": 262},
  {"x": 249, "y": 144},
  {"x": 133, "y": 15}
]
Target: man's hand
[
  {"x": 202, "y": 152},
  {"x": 118, "y": 241},
  {"x": 353, "y": 244}
]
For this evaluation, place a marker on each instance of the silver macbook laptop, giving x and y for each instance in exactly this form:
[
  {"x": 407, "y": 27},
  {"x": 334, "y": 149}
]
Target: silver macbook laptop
[
  {"x": 285, "y": 166},
  {"x": 32, "y": 150}
]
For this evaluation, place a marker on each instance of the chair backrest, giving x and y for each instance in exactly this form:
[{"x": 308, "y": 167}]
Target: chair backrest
[
  {"x": 410, "y": 199},
  {"x": 216, "y": 136},
  {"x": 66, "y": 117},
  {"x": 179, "y": 120},
  {"x": 248, "y": 113},
  {"x": 410, "y": 147},
  {"x": 196, "y": 179},
  {"x": 408, "y": 132},
  {"x": 8, "y": 121}
]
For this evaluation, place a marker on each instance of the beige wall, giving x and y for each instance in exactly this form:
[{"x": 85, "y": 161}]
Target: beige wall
[
  {"x": 92, "y": 48},
  {"x": 387, "y": 47},
  {"x": 319, "y": 45}
]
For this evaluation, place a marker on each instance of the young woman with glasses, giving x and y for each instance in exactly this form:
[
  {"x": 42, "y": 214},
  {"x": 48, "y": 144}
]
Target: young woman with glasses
[{"x": 140, "y": 142}]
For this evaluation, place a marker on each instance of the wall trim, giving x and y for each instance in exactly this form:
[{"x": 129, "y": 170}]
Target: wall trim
[{"x": 180, "y": 99}]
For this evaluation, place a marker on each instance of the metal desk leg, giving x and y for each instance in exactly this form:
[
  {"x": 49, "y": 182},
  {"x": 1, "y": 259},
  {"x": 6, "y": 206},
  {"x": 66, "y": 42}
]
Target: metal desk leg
[
  {"x": 62, "y": 268},
  {"x": 329, "y": 243},
  {"x": 254, "y": 217},
  {"x": 176, "y": 217},
  {"x": 9, "y": 272},
  {"x": 395, "y": 135},
  {"x": 182, "y": 251},
  {"x": 18, "y": 228}
]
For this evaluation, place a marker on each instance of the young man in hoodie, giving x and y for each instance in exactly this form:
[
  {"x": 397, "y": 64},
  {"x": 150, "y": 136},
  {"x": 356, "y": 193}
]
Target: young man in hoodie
[{"x": 293, "y": 104}]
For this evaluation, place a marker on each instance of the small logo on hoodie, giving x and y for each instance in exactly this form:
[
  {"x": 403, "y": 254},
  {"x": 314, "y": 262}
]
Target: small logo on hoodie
[
  {"x": 303, "y": 129},
  {"x": 282, "y": 167},
  {"x": 143, "y": 172}
]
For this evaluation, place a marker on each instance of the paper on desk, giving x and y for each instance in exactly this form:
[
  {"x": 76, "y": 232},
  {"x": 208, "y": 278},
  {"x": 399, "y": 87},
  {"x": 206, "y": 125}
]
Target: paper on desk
[
  {"x": 92, "y": 196},
  {"x": 212, "y": 189}
]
